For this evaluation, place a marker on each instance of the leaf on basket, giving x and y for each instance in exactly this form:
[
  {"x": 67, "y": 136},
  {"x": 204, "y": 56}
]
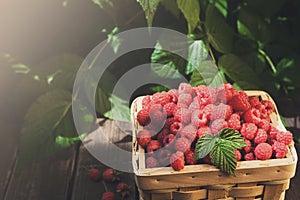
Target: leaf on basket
[{"x": 205, "y": 145}]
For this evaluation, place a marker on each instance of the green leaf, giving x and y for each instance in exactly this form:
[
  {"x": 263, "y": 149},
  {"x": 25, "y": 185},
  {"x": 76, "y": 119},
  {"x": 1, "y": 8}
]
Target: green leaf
[
  {"x": 239, "y": 71},
  {"x": 220, "y": 35},
  {"x": 205, "y": 145},
  {"x": 234, "y": 137},
  {"x": 207, "y": 74},
  {"x": 243, "y": 30},
  {"x": 223, "y": 157},
  {"x": 191, "y": 12},
  {"x": 119, "y": 109},
  {"x": 101, "y": 3},
  {"x": 114, "y": 40},
  {"x": 171, "y": 6},
  {"x": 197, "y": 55},
  {"x": 65, "y": 142},
  {"x": 149, "y": 7},
  {"x": 221, "y": 5}
]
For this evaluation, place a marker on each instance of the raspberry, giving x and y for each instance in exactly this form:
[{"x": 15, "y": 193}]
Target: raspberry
[
  {"x": 184, "y": 99},
  {"x": 249, "y": 156},
  {"x": 177, "y": 161},
  {"x": 248, "y": 148},
  {"x": 95, "y": 175},
  {"x": 157, "y": 118},
  {"x": 143, "y": 117},
  {"x": 123, "y": 189},
  {"x": 169, "y": 122},
  {"x": 162, "y": 134},
  {"x": 168, "y": 108},
  {"x": 203, "y": 131},
  {"x": 185, "y": 88},
  {"x": 284, "y": 137},
  {"x": 189, "y": 132},
  {"x": 153, "y": 146},
  {"x": 163, "y": 156},
  {"x": 110, "y": 175},
  {"x": 248, "y": 130},
  {"x": 254, "y": 101},
  {"x": 252, "y": 115},
  {"x": 217, "y": 125},
  {"x": 182, "y": 115},
  {"x": 198, "y": 118},
  {"x": 182, "y": 144},
  {"x": 238, "y": 155},
  {"x": 108, "y": 196},
  {"x": 269, "y": 106},
  {"x": 264, "y": 124},
  {"x": 205, "y": 95},
  {"x": 161, "y": 98},
  {"x": 168, "y": 139},
  {"x": 175, "y": 127},
  {"x": 273, "y": 131},
  {"x": 146, "y": 102},
  {"x": 151, "y": 162},
  {"x": 261, "y": 136},
  {"x": 263, "y": 151},
  {"x": 207, "y": 110},
  {"x": 280, "y": 149},
  {"x": 143, "y": 138},
  {"x": 174, "y": 95},
  {"x": 240, "y": 102},
  {"x": 194, "y": 105},
  {"x": 234, "y": 122},
  {"x": 263, "y": 111},
  {"x": 226, "y": 92},
  {"x": 190, "y": 157},
  {"x": 221, "y": 111}
]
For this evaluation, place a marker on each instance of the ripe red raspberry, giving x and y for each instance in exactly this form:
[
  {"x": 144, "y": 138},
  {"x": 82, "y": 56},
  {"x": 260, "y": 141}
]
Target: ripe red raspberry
[
  {"x": 175, "y": 127},
  {"x": 108, "y": 196},
  {"x": 110, "y": 175},
  {"x": 284, "y": 137},
  {"x": 151, "y": 162},
  {"x": 238, "y": 155},
  {"x": 169, "y": 122},
  {"x": 205, "y": 95},
  {"x": 217, "y": 125},
  {"x": 280, "y": 149},
  {"x": 198, "y": 118},
  {"x": 189, "y": 157},
  {"x": 226, "y": 92},
  {"x": 185, "y": 99},
  {"x": 273, "y": 131},
  {"x": 153, "y": 146},
  {"x": 169, "y": 108},
  {"x": 174, "y": 95},
  {"x": 158, "y": 119},
  {"x": 269, "y": 106},
  {"x": 94, "y": 175},
  {"x": 248, "y": 130},
  {"x": 254, "y": 101},
  {"x": 263, "y": 111},
  {"x": 248, "y": 148},
  {"x": 143, "y": 117},
  {"x": 234, "y": 122},
  {"x": 261, "y": 136},
  {"x": 263, "y": 151},
  {"x": 168, "y": 140},
  {"x": 182, "y": 115},
  {"x": 221, "y": 111},
  {"x": 143, "y": 138},
  {"x": 207, "y": 111},
  {"x": 252, "y": 115},
  {"x": 264, "y": 124},
  {"x": 123, "y": 189},
  {"x": 161, "y": 98},
  {"x": 249, "y": 156},
  {"x": 194, "y": 105},
  {"x": 185, "y": 88},
  {"x": 182, "y": 144},
  {"x": 240, "y": 102},
  {"x": 177, "y": 161},
  {"x": 189, "y": 132},
  {"x": 146, "y": 102},
  {"x": 163, "y": 157},
  {"x": 162, "y": 134},
  {"x": 203, "y": 131}
]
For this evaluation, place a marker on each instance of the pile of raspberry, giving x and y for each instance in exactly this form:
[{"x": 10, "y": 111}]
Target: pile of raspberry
[{"x": 174, "y": 121}]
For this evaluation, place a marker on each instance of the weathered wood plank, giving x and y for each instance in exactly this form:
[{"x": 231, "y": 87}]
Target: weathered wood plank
[
  {"x": 84, "y": 188},
  {"x": 8, "y": 150},
  {"x": 46, "y": 179}
]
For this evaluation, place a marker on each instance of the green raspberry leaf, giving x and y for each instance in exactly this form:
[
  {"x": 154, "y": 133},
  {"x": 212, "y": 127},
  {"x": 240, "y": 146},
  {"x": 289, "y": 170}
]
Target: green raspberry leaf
[
  {"x": 205, "y": 145},
  {"x": 233, "y": 137},
  {"x": 191, "y": 12},
  {"x": 149, "y": 7}
]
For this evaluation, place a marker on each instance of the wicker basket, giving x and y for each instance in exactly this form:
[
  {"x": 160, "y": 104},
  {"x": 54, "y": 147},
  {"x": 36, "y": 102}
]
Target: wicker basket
[{"x": 254, "y": 179}]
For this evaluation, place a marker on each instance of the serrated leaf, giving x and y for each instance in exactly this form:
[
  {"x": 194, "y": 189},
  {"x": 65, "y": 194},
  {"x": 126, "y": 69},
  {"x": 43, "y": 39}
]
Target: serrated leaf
[
  {"x": 149, "y": 7},
  {"x": 239, "y": 71},
  {"x": 191, "y": 12},
  {"x": 220, "y": 35},
  {"x": 197, "y": 55},
  {"x": 205, "y": 145},
  {"x": 207, "y": 74}
]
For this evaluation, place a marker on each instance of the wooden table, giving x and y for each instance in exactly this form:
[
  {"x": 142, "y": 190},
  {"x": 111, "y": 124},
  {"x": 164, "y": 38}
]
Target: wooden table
[{"x": 64, "y": 175}]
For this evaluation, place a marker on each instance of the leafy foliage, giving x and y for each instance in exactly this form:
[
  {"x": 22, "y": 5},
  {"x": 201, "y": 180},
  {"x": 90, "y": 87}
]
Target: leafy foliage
[
  {"x": 149, "y": 7},
  {"x": 191, "y": 12}
]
